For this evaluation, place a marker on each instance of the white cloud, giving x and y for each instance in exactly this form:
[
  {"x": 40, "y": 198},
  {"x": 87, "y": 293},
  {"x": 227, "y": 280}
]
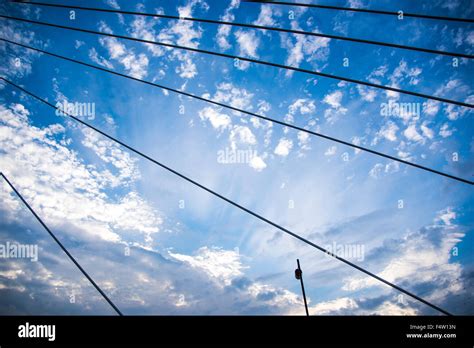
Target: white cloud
[
  {"x": 402, "y": 73},
  {"x": 331, "y": 151},
  {"x": 427, "y": 132},
  {"x": 67, "y": 192},
  {"x": 389, "y": 308},
  {"x": 16, "y": 61},
  {"x": 392, "y": 167},
  {"x": 454, "y": 112},
  {"x": 302, "y": 47},
  {"x": 377, "y": 73},
  {"x": 470, "y": 38},
  {"x": 223, "y": 31},
  {"x": 187, "y": 10},
  {"x": 265, "y": 17},
  {"x": 248, "y": 43},
  {"x": 356, "y": 141},
  {"x": 431, "y": 107},
  {"x": 142, "y": 28},
  {"x": 423, "y": 257},
  {"x": 112, "y": 153},
  {"x": 333, "y": 99},
  {"x": 239, "y": 98},
  {"x": 113, "y": 4},
  {"x": 349, "y": 306},
  {"x": 412, "y": 134},
  {"x": 217, "y": 120},
  {"x": 183, "y": 33},
  {"x": 241, "y": 134},
  {"x": 450, "y": 85},
  {"x": 336, "y": 109},
  {"x": 447, "y": 216},
  {"x": 334, "y": 306},
  {"x": 236, "y": 97},
  {"x": 222, "y": 265},
  {"x": 389, "y": 131},
  {"x": 263, "y": 108},
  {"x": 445, "y": 131},
  {"x": 367, "y": 93},
  {"x": 257, "y": 163},
  {"x": 287, "y": 301},
  {"x": 303, "y": 140},
  {"x": 187, "y": 69},
  {"x": 115, "y": 47},
  {"x": 378, "y": 169},
  {"x": 303, "y": 106},
  {"x": 78, "y": 44},
  {"x": 135, "y": 65},
  {"x": 94, "y": 56},
  {"x": 283, "y": 148}
]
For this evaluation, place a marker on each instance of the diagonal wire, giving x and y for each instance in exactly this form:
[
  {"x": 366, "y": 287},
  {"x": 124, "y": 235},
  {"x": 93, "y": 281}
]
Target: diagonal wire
[
  {"x": 210, "y": 101},
  {"x": 230, "y": 201},
  {"x": 362, "y": 10},
  {"x": 251, "y": 26},
  {"x": 251, "y": 60},
  {"x": 60, "y": 244}
]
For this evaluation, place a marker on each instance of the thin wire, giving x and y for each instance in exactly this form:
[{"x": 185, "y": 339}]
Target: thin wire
[
  {"x": 251, "y": 60},
  {"x": 363, "y": 10},
  {"x": 253, "y": 26},
  {"x": 228, "y": 200},
  {"x": 59, "y": 243},
  {"x": 249, "y": 113}
]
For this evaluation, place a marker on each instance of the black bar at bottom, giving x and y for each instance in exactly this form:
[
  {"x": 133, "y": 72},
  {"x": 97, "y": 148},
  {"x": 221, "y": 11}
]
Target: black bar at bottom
[{"x": 136, "y": 330}]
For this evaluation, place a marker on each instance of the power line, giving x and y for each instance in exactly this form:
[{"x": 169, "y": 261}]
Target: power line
[
  {"x": 58, "y": 242},
  {"x": 434, "y": 171},
  {"x": 230, "y": 201},
  {"x": 251, "y": 60},
  {"x": 253, "y": 26},
  {"x": 363, "y": 10}
]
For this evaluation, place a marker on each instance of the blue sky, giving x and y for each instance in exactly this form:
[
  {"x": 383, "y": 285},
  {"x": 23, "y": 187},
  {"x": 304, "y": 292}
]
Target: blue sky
[{"x": 191, "y": 253}]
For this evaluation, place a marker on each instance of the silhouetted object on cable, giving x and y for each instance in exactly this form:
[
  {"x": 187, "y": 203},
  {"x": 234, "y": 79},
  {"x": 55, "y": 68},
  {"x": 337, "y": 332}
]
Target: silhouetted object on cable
[{"x": 299, "y": 276}]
